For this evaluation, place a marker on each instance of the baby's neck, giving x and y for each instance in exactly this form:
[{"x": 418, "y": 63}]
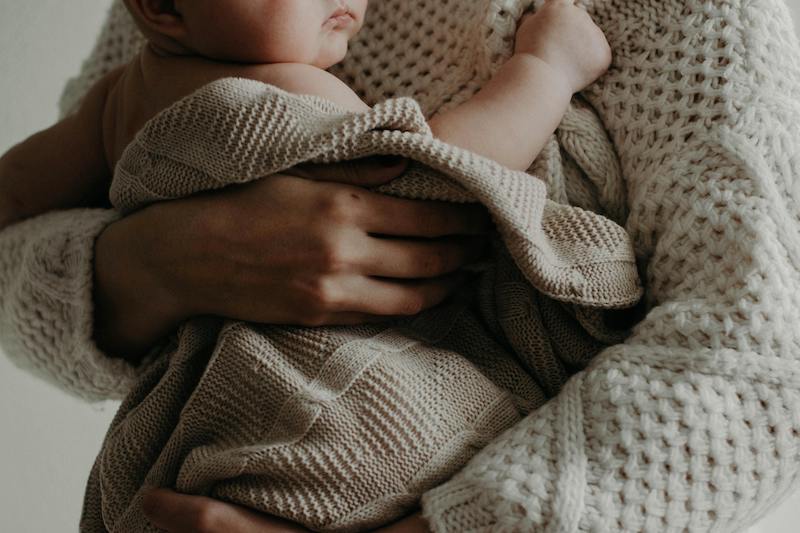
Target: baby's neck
[{"x": 171, "y": 49}]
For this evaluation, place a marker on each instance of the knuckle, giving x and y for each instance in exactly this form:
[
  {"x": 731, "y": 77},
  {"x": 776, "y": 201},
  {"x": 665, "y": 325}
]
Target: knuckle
[
  {"x": 338, "y": 207},
  {"x": 332, "y": 256},
  {"x": 323, "y": 297}
]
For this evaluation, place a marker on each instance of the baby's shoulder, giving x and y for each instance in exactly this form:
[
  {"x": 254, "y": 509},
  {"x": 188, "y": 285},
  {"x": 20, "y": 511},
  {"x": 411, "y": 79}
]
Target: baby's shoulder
[
  {"x": 299, "y": 78},
  {"x": 168, "y": 79}
]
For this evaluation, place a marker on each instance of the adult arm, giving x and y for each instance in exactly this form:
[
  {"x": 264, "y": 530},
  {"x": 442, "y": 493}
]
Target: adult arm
[
  {"x": 61, "y": 167},
  {"x": 180, "y": 513},
  {"x": 317, "y": 252},
  {"x": 692, "y": 424}
]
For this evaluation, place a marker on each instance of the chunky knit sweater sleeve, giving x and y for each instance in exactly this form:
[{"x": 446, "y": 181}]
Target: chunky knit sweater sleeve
[
  {"x": 46, "y": 310},
  {"x": 693, "y": 424},
  {"x": 46, "y": 267}
]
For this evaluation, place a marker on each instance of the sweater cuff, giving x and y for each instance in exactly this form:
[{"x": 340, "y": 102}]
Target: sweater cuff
[{"x": 47, "y": 309}]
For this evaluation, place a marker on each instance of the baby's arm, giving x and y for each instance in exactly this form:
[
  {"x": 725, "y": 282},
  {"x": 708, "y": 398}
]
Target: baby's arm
[
  {"x": 61, "y": 167},
  {"x": 558, "y": 52}
]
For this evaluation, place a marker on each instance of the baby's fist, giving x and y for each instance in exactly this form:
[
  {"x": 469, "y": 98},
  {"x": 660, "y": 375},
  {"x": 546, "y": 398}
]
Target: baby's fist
[{"x": 564, "y": 36}]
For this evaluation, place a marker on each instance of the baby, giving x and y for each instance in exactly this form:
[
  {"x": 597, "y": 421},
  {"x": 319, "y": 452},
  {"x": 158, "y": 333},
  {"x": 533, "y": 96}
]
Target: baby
[{"x": 288, "y": 44}]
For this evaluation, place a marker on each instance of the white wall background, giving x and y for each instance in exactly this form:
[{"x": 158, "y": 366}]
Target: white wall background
[{"x": 48, "y": 440}]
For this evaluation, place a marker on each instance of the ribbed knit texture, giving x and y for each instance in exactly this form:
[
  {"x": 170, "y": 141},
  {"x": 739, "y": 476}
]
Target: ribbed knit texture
[
  {"x": 343, "y": 429},
  {"x": 692, "y": 423}
]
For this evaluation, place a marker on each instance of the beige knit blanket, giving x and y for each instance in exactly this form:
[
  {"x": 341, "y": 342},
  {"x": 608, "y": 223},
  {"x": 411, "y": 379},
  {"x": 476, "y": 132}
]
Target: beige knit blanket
[
  {"x": 690, "y": 424},
  {"x": 342, "y": 429}
]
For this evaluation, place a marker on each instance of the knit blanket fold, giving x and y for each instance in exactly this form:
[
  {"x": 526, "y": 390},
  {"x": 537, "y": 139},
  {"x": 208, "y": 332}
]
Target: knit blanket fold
[
  {"x": 343, "y": 429},
  {"x": 236, "y": 130}
]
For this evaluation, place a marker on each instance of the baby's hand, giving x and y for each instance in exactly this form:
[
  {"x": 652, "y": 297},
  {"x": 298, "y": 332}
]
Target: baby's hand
[{"x": 565, "y": 37}]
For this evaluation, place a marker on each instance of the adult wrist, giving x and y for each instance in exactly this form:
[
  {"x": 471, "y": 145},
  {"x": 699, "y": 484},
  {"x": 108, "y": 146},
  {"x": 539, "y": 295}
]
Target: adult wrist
[{"x": 133, "y": 309}]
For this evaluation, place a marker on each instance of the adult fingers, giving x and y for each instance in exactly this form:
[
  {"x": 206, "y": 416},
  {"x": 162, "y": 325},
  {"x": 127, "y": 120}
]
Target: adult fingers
[
  {"x": 366, "y": 172},
  {"x": 354, "y": 319},
  {"x": 181, "y": 513},
  {"x": 383, "y": 297},
  {"x": 415, "y": 259},
  {"x": 387, "y": 215}
]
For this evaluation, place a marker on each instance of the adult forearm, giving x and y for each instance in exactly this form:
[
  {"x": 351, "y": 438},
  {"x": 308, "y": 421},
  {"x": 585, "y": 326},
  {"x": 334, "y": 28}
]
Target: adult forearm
[
  {"x": 133, "y": 310},
  {"x": 512, "y": 117},
  {"x": 7, "y": 216},
  {"x": 10, "y": 210},
  {"x": 61, "y": 167}
]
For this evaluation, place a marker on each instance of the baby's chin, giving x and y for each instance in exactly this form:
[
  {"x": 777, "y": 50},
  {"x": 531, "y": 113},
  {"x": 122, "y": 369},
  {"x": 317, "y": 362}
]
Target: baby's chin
[{"x": 332, "y": 55}]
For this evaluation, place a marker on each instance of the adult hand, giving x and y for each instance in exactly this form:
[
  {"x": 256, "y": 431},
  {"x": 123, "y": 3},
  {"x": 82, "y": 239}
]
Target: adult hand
[
  {"x": 180, "y": 513},
  {"x": 281, "y": 250}
]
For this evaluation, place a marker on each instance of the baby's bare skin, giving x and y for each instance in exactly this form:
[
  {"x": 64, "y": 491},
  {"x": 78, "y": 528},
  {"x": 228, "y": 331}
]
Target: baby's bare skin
[
  {"x": 155, "y": 80},
  {"x": 558, "y": 52}
]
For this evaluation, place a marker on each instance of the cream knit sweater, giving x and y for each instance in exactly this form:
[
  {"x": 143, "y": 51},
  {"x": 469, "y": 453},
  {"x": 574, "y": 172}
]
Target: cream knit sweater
[{"x": 692, "y": 422}]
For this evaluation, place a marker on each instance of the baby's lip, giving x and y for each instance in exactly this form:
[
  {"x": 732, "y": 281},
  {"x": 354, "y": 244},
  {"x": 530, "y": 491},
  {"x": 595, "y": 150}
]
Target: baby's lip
[
  {"x": 339, "y": 12},
  {"x": 341, "y": 16}
]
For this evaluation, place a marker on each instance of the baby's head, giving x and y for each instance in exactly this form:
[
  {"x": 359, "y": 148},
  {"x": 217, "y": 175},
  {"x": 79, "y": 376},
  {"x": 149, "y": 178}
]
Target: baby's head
[{"x": 252, "y": 31}]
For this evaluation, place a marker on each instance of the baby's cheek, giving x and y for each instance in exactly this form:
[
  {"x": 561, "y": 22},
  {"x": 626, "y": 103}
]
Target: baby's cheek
[{"x": 263, "y": 46}]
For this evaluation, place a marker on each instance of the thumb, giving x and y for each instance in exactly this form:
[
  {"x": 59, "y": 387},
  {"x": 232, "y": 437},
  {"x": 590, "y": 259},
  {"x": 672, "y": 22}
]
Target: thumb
[
  {"x": 181, "y": 513},
  {"x": 366, "y": 172},
  {"x": 171, "y": 511}
]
